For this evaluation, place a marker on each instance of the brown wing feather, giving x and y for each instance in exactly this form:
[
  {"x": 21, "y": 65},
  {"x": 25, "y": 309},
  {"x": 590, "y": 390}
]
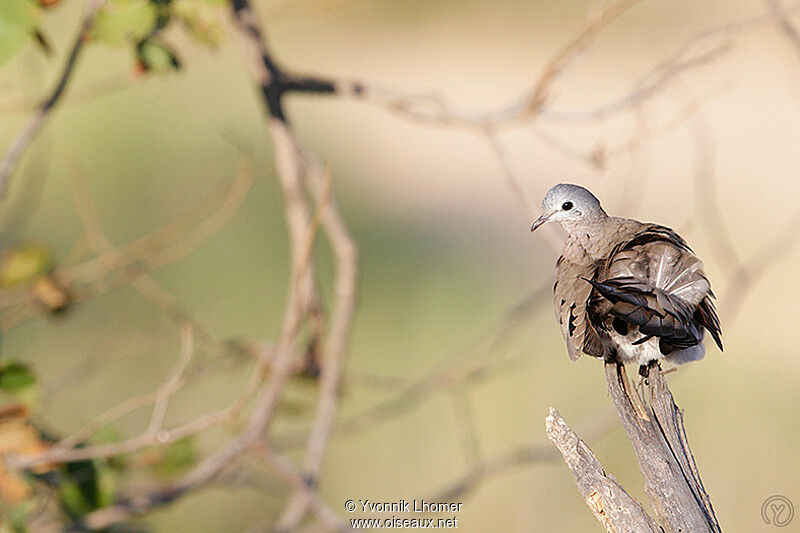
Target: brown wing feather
[
  {"x": 654, "y": 282},
  {"x": 570, "y": 296}
]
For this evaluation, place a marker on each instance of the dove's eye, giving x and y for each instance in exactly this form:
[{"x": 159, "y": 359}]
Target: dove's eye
[{"x": 566, "y": 206}]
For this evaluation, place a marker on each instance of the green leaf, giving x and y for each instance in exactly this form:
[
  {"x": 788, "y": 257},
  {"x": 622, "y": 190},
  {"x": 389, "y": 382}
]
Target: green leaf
[
  {"x": 23, "y": 264},
  {"x": 18, "y": 22},
  {"x": 202, "y": 20},
  {"x": 156, "y": 57},
  {"x": 15, "y": 377},
  {"x": 176, "y": 457},
  {"x": 86, "y": 486},
  {"x": 72, "y": 499},
  {"x": 122, "y": 21},
  {"x": 107, "y": 487}
]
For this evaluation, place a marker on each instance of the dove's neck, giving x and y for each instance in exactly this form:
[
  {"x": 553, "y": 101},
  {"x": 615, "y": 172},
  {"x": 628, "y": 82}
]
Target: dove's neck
[{"x": 588, "y": 236}]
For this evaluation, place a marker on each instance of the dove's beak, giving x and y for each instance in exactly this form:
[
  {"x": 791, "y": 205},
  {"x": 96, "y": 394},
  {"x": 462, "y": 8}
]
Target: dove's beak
[{"x": 541, "y": 220}]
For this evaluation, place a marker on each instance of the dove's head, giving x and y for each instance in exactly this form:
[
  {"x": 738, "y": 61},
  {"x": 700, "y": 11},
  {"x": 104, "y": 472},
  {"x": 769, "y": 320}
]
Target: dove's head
[{"x": 569, "y": 205}]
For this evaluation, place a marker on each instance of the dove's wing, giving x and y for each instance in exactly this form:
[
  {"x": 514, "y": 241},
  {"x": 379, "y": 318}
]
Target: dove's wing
[
  {"x": 570, "y": 296},
  {"x": 653, "y": 281}
]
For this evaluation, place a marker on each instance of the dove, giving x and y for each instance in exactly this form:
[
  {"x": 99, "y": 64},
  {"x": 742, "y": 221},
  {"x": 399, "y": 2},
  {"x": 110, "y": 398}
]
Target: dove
[{"x": 626, "y": 291}]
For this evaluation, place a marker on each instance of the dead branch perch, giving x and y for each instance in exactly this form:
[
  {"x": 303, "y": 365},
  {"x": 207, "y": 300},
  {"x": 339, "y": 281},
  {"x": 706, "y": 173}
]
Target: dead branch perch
[
  {"x": 672, "y": 481},
  {"x": 613, "y": 507}
]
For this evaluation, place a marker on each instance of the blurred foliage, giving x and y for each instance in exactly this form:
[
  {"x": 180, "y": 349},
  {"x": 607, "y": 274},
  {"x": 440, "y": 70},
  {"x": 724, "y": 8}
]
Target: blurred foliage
[
  {"x": 17, "y": 435},
  {"x": 201, "y": 19},
  {"x": 139, "y": 23},
  {"x": 157, "y": 57},
  {"x": 15, "y": 377},
  {"x": 84, "y": 486},
  {"x": 31, "y": 265},
  {"x": 19, "y": 20},
  {"x": 23, "y": 264},
  {"x": 123, "y": 21},
  {"x": 171, "y": 460}
]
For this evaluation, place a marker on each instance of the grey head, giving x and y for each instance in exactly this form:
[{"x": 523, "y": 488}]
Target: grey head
[{"x": 569, "y": 205}]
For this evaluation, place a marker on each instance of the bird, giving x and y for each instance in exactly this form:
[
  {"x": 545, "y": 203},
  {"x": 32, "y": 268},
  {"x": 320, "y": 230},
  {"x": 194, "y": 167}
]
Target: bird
[{"x": 626, "y": 291}]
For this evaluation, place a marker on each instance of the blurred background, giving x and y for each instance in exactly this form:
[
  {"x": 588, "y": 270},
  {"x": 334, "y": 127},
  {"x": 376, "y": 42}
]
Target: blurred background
[{"x": 452, "y": 359}]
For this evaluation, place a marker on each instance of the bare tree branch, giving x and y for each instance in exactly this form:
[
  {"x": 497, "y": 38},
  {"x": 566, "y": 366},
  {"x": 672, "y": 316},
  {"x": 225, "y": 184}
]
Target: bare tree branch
[
  {"x": 617, "y": 510},
  {"x": 289, "y": 161},
  {"x": 672, "y": 480},
  {"x": 334, "y": 345}
]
